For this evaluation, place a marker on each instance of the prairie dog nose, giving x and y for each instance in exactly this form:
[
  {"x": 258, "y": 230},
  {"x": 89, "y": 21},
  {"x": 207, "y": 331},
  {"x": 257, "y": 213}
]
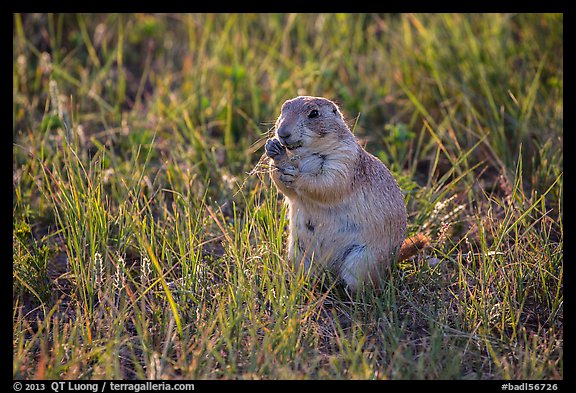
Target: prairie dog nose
[{"x": 283, "y": 132}]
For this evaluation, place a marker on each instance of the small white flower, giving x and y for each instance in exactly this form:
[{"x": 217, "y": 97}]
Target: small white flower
[
  {"x": 145, "y": 270},
  {"x": 98, "y": 269},
  {"x": 119, "y": 275}
]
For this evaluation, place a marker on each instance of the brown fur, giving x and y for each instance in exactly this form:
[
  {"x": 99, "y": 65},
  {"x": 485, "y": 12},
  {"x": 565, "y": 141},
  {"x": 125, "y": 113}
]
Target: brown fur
[
  {"x": 412, "y": 246},
  {"x": 346, "y": 211}
]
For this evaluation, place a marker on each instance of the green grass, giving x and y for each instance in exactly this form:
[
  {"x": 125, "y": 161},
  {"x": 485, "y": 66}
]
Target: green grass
[{"x": 145, "y": 246}]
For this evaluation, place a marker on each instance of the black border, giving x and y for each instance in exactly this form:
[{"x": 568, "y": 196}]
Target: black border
[{"x": 300, "y": 6}]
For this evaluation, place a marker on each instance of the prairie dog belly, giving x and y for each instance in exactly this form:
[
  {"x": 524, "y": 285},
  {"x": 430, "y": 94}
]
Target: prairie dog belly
[{"x": 326, "y": 235}]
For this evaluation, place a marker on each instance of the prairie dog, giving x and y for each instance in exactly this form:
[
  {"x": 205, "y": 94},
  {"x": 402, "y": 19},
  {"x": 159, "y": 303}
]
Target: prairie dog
[{"x": 346, "y": 210}]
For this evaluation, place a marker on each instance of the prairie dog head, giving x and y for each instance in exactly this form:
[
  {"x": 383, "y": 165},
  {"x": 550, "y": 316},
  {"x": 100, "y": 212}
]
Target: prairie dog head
[{"x": 311, "y": 123}]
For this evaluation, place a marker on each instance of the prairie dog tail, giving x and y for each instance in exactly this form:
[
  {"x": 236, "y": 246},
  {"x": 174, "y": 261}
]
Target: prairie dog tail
[{"x": 412, "y": 246}]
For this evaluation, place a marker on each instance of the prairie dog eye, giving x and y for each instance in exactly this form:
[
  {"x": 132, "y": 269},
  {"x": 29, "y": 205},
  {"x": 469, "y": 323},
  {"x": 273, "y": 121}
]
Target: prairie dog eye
[{"x": 314, "y": 113}]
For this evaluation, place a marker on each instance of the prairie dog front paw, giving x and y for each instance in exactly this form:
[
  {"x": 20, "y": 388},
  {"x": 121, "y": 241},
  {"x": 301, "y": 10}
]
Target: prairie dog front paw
[
  {"x": 274, "y": 148},
  {"x": 288, "y": 174}
]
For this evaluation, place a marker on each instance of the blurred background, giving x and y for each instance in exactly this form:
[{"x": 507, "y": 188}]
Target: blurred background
[{"x": 220, "y": 79}]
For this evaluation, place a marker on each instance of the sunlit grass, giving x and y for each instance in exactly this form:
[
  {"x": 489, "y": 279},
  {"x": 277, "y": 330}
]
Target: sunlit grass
[{"x": 145, "y": 246}]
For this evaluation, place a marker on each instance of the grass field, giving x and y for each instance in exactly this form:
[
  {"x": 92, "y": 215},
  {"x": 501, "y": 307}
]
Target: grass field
[{"x": 146, "y": 246}]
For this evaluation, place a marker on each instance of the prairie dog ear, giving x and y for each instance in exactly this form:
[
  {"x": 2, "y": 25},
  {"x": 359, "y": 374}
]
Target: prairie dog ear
[
  {"x": 335, "y": 109},
  {"x": 337, "y": 113}
]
